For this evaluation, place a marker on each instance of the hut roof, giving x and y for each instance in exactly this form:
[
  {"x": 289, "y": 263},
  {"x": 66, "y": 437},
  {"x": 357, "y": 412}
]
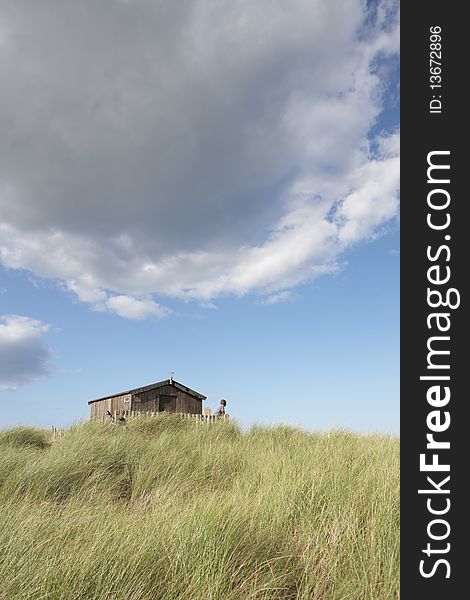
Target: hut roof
[{"x": 153, "y": 386}]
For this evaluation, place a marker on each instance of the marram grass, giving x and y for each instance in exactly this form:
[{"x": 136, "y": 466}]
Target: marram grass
[{"x": 163, "y": 510}]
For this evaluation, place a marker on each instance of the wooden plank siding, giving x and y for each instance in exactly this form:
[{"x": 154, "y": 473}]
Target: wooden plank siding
[
  {"x": 98, "y": 410},
  {"x": 164, "y": 398}
]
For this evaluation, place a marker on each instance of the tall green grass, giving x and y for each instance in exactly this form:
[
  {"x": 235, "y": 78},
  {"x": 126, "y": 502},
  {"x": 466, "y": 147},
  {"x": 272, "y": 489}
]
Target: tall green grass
[{"x": 162, "y": 510}]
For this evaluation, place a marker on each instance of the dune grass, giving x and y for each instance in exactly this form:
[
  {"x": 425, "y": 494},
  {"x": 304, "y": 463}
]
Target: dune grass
[{"x": 162, "y": 510}]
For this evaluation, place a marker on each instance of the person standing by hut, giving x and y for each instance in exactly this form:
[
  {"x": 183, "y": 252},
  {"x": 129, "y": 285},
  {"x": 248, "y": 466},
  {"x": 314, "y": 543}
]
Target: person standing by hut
[{"x": 220, "y": 410}]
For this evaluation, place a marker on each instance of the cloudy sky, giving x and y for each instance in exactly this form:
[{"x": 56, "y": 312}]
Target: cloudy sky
[{"x": 208, "y": 186}]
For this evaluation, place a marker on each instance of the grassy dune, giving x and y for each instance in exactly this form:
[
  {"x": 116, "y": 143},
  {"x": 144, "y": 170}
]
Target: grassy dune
[{"x": 159, "y": 509}]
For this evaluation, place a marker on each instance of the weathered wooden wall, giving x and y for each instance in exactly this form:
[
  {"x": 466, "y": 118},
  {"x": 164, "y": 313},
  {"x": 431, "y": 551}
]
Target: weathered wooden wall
[
  {"x": 166, "y": 398},
  {"x": 113, "y": 404}
]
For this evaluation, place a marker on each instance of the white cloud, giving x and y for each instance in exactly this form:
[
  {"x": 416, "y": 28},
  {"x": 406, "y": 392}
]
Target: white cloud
[
  {"x": 389, "y": 145},
  {"x": 373, "y": 201},
  {"x": 23, "y": 357},
  {"x": 87, "y": 290},
  {"x": 132, "y": 308},
  {"x": 209, "y": 305},
  {"x": 192, "y": 150},
  {"x": 284, "y": 296}
]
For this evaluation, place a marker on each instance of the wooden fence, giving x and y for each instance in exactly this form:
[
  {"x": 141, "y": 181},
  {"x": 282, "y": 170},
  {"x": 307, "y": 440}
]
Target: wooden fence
[
  {"x": 57, "y": 433},
  {"x": 120, "y": 418}
]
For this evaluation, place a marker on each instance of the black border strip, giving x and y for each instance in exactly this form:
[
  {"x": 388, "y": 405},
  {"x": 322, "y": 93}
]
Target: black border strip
[{"x": 423, "y": 132}]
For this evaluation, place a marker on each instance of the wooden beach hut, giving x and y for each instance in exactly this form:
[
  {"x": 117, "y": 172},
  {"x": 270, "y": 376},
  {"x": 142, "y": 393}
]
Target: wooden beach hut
[{"x": 163, "y": 396}]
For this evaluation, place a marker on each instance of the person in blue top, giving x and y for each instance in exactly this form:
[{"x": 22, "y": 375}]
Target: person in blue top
[{"x": 220, "y": 410}]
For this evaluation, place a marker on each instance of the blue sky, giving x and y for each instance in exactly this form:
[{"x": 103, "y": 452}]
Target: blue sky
[{"x": 221, "y": 201}]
